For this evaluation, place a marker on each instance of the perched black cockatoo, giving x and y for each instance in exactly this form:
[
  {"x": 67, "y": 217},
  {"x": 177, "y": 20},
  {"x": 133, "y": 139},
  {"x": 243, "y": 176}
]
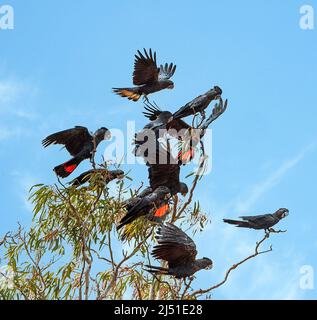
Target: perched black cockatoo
[
  {"x": 130, "y": 203},
  {"x": 264, "y": 221},
  {"x": 79, "y": 142},
  {"x": 148, "y": 77},
  {"x": 154, "y": 204},
  {"x": 199, "y": 104},
  {"x": 102, "y": 175},
  {"x": 179, "y": 251}
]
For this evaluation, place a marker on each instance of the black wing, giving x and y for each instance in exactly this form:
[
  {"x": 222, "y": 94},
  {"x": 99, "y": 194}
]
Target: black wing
[
  {"x": 191, "y": 107},
  {"x": 145, "y": 68},
  {"x": 165, "y": 170},
  {"x": 73, "y": 139},
  {"x": 174, "y": 246},
  {"x": 259, "y": 219},
  {"x": 129, "y": 203},
  {"x": 198, "y": 104},
  {"x": 164, "y": 175},
  {"x": 166, "y": 71},
  {"x": 153, "y": 112},
  {"x": 141, "y": 207}
]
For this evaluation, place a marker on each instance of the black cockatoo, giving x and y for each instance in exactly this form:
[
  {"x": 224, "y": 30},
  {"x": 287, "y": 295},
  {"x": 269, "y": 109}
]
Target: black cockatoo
[
  {"x": 79, "y": 142},
  {"x": 148, "y": 77},
  {"x": 264, "y": 221},
  {"x": 146, "y": 141},
  {"x": 199, "y": 104},
  {"x": 153, "y": 204},
  {"x": 179, "y": 251},
  {"x": 102, "y": 175},
  {"x": 165, "y": 171}
]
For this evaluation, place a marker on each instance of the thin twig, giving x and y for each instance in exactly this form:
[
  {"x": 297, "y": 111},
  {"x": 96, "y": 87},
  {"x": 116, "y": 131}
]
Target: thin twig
[{"x": 187, "y": 286}]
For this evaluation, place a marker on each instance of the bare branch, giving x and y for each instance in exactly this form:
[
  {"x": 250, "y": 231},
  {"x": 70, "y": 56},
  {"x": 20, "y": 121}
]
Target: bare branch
[{"x": 233, "y": 267}]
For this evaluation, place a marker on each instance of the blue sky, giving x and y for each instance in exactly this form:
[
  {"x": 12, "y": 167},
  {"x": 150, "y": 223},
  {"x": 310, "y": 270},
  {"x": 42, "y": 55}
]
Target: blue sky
[{"x": 57, "y": 68}]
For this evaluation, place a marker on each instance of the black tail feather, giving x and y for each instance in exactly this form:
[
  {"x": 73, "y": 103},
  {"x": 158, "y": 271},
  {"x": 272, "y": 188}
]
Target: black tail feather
[
  {"x": 242, "y": 224},
  {"x": 125, "y": 220},
  {"x": 156, "y": 270}
]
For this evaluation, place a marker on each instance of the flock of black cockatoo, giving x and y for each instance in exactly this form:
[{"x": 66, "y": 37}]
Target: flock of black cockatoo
[{"x": 153, "y": 144}]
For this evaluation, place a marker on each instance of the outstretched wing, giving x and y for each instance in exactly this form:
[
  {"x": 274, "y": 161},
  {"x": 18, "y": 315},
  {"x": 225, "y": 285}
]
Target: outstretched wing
[
  {"x": 174, "y": 246},
  {"x": 166, "y": 71},
  {"x": 73, "y": 139},
  {"x": 165, "y": 170},
  {"x": 145, "y": 68},
  {"x": 152, "y": 110},
  {"x": 164, "y": 175}
]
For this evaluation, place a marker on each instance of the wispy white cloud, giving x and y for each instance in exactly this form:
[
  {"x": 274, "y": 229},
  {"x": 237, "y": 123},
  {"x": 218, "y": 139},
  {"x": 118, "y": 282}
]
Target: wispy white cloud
[
  {"x": 14, "y": 95},
  {"x": 24, "y": 181},
  {"x": 244, "y": 204},
  {"x": 6, "y": 133},
  {"x": 7, "y": 92}
]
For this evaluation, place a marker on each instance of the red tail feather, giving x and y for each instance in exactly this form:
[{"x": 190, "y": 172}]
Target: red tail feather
[
  {"x": 65, "y": 169},
  {"x": 162, "y": 211},
  {"x": 70, "y": 168}
]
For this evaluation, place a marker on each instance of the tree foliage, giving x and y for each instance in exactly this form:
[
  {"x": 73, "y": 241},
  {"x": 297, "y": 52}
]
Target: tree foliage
[{"x": 73, "y": 251}]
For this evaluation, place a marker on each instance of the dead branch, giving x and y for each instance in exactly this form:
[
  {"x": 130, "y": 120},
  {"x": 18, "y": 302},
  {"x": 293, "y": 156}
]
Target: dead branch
[{"x": 233, "y": 267}]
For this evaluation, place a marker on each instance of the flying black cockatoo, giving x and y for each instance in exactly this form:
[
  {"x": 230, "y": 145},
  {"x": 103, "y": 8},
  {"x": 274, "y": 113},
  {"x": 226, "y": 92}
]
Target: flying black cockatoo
[
  {"x": 79, "y": 142},
  {"x": 264, "y": 221},
  {"x": 154, "y": 204},
  {"x": 160, "y": 125},
  {"x": 179, "y": 251},
  {"x": 102, "y": 175},
  {"x": 148, "y": 77},
  {"x": 166, "y": 171},
  {"x": 199, "y": 104}
]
